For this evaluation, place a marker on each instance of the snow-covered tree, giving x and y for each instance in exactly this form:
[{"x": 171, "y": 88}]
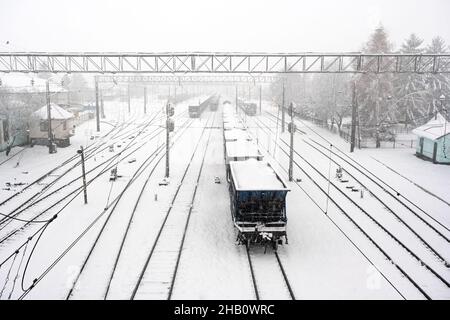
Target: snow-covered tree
[
  {"x": 374, "y": 91},
  {"x": 437, "y": 84},
  {"x": 411, "y": 94}
]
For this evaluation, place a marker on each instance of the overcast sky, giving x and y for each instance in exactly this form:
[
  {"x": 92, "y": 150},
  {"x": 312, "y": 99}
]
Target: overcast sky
[{"x": 214, "y": 25}]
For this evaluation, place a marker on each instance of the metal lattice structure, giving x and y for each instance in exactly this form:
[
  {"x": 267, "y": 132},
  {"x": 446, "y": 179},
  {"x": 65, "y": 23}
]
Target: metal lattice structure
[
  {"x": 249, "y": 63},
  {"x": 192, "y": 79}
]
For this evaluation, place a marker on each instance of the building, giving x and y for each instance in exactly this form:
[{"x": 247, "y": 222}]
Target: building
[
  {"x": 62, "y": 124},
  {"x": 20, "y": 94},
  {"x": 433, "y": 140}
]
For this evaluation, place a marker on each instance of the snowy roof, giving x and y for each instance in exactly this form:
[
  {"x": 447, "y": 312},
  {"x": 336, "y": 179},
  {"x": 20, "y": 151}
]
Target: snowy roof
[
  {"x": 236, "y": 134},
  {"x": 434, "y": 129},
  {"x": 57, "y": 112},
  {"x": 242, "y": 148},
  {"x": 255, "y": 175},
  {"x": 233, "y": 125}
]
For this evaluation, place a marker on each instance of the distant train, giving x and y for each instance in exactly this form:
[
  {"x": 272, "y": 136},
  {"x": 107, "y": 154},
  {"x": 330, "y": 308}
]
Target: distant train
[
  {"x": 257, "y": 192},
  {"x": 214, "y": 102},
  {"x": 195, "y": 111},
  {"x": 248, "y": 107}
]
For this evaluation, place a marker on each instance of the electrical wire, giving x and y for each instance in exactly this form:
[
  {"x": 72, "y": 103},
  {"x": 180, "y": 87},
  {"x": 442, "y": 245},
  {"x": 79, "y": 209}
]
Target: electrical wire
[{"x": 329, "y": 182}]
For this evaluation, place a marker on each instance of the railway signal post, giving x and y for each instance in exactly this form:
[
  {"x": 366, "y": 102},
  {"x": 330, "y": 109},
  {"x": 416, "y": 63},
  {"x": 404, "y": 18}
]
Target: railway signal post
[
  {"x": 291, "y": 129},
  {"x": 81, "y": 153},
  {"x": 170, "y": 111}
]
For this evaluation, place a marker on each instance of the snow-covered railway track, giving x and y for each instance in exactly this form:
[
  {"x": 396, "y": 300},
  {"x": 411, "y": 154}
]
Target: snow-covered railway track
[
  {"x": 268, "y": 276},
  {"x": 419, "y": 273},
  {"x": 99, "y": 169},
  {"x": 422, "y": 233},
  {"x": 46, "y": 181},
  {"x": 157, "y": 277},
  {"x": 107, "y": 165},
  {"x": 429, "y": 235},
  {"x": 114, "y": 250}
]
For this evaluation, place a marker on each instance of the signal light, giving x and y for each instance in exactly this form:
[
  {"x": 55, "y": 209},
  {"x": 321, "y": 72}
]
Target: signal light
[
  {"x": 170, "y": 110},
  {"x": 170, "y": 125}
]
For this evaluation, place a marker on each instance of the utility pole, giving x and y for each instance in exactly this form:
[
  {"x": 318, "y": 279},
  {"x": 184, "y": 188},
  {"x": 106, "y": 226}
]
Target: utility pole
[
  {"x": 81, "y": 153},
  {"x": 354, "y": 110},
  {"x": 102, "y": 106},
  {"x": 129, "y": 102},
  {"x": 145, "y": 100},
  {"x": 377, "y": 115},
  {"x": 260, "y": 94},
  {"x": 97, "y": 107},
  {"x": 282, "y": 110},
  {"x": 236, "y": 99},
  {"x": 291, "y": 128},
  {"x": 49, "y": 119}
]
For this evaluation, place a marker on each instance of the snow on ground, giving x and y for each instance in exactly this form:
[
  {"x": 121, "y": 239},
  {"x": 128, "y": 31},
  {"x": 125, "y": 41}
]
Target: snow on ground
[
  {"x": 438, "y": 289},
  {"x": 326, "y": 258},
  {"x": 212, "y": 265}
]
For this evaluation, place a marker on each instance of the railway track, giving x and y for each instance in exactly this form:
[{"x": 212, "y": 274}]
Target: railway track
[
  {"x": 391, "y": 202},
  {"x": 158, "y": 275},
  {"x": 115, "y": 246},
  {"x": 62, "y": 200},
  {"x": 394, "y": 193},
  {"x": 112, "y": 205},
  {"x": 275, "y": 286},
  {"x": 90, "y": 152},
  {"x": 107, "y": 164},
  {"x": 412, "y": 182},
  {"x": 366, "y": 224}
]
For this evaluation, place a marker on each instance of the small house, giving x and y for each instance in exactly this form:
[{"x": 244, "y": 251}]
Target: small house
[
  {"x": 433, "y": 140},
  {"x": 62, "y": 125}
]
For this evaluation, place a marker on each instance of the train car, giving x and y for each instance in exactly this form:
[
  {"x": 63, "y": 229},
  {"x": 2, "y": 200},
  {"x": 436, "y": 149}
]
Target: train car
[
  {"x": 258, "y": 202},
  {"x": 236, "y": 135},
  {"x": 214, "y": 103},
  {"x": 194, "y": 111},
  {"x": 233, "y": 123},
  {"x": 240, "y": 150},
  {"x": 249, "y": 108}
]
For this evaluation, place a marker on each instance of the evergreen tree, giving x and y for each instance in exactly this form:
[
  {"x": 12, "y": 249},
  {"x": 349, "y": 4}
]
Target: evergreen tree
[
  {"x": 412, "y": 97},
  {"x": 437, "y": 84},
  {"x": 374, "y": 91}
]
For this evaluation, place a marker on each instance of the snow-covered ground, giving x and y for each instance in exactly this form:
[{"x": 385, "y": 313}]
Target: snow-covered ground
[{"x": 327, "y": 257}]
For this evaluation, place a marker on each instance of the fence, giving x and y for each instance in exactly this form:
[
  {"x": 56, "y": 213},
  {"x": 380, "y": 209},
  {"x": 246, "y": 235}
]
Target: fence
[
  {"x": 370, "y": 142},
  {"x": 364, "y": 142}
]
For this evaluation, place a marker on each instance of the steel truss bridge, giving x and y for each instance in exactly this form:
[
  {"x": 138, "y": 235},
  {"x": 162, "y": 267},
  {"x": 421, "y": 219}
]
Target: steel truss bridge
[{"x": 224, "y": 63}]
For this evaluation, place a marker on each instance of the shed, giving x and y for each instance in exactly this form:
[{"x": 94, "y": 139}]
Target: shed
[
  {"x": 62, "y": 124},
  {"x": 433, "y": 140}
]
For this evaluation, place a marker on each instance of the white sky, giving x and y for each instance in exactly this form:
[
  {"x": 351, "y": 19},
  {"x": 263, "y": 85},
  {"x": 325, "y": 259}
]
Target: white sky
[{"x": 214, "y": 25}]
